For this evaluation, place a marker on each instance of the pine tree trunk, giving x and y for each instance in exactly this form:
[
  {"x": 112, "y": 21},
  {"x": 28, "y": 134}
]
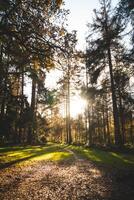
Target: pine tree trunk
[
  {"x": 122, "y": 120},
  {"x": 89, "y": 126},
  {"x": 107, "y": 124},
  {"x": 1, "y": 74},
  {"x": 104, "y": 126},
  {"x": 68, "y": 122},
  {"x": 117, "y": 135},
  {"x": 33, "y": 114},
  {"x": 131, "y": 128},
  {"x": 22, "y": 99}
]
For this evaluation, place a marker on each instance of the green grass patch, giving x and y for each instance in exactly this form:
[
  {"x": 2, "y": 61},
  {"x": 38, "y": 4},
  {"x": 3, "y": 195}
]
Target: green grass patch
[
  {"x": 113, "y": 159},
  {"x": 15, "y": 155}
]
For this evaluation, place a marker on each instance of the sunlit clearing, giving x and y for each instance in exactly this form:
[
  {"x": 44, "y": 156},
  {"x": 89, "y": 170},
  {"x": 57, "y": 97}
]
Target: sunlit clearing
[{"x": 53, "y": 156}]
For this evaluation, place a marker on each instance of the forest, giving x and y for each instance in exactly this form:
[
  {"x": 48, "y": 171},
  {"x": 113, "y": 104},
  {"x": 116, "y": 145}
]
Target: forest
[
  {"x": 34, "y": 41},
  {"x": 39, "y": 122}
]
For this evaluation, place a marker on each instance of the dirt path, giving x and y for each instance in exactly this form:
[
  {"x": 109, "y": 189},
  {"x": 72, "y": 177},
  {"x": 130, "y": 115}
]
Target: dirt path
[{"x": 77, "y": 180}]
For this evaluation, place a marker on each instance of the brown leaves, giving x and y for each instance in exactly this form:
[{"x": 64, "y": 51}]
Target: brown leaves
[{"x": 78, "y": 180}]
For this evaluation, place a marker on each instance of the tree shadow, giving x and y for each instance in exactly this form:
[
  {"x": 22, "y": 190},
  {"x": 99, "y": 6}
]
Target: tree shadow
[
  {"x": 106, "y": 158},
  {"x": 114, "y": 169},
  {"x": 21, "y": 154},
  {"x": 84, "y": 180}
]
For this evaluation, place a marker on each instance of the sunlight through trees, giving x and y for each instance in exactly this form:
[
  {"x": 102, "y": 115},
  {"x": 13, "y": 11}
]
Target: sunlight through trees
[{"x": 91, "y": 101}]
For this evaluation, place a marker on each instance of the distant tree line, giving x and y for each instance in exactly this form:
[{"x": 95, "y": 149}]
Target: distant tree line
[{"x": 109, "y": 116}]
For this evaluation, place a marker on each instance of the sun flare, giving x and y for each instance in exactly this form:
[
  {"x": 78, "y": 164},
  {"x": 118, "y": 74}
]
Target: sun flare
[{"x": 77, "y": 106}]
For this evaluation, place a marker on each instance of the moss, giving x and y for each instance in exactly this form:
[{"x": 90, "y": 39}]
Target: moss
[
  {"x": 57, "y": 153},
  {"x": 114, "y": 159},
  {"x": 15, "y": 155}
]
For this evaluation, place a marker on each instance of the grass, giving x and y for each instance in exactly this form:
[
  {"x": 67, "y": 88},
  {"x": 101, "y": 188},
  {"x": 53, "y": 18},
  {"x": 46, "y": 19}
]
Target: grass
[
  {"x": 113, "y": 159},
  {"x": 57, "y": 153},
  {"x": 20, "y": 154}
]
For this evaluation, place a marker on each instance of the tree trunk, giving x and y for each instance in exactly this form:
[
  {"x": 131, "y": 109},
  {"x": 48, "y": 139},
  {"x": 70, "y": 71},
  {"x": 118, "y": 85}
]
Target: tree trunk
[
  {"x": 33, "y": 113},
  {"x": 1, "y": 74},
  {"x": 122, "y": 120},
  {"x": 107, "y": 124},
  {"x": 90, "y": 122},
  {"x": 117, "y": 135},
  {"x": 131, "y": 128},
  {"x": 68, "y": 122},
  {"x": 118, "y": 140}
]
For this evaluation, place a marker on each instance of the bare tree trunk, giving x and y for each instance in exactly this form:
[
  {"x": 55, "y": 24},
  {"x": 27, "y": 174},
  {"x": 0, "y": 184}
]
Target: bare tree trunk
[
  {"x": 117, "y": 135},
  {"x": 68, "y": 122},
  {"x": 99, "y": 130},
  {"x": 118, "y": 140},
  {"x": 90, "y": 121},
  {"x": 104, "y": 125},
  {"x": 3, "y": 104},
  {"x": 122, "y": 120},
  {"x": 33, "y": 113},
  {"x": 1, "y": 73},
  {"x": 131, "y": 128},
  {"x": 107, "y": 124},
  {"x": 22, "y": 99}
]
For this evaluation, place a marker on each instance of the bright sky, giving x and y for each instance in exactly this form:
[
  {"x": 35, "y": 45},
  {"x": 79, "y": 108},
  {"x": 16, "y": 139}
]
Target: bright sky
[{"x": 81, "y": 12}]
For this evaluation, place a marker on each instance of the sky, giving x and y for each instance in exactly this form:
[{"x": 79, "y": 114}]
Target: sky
[{"x": 81, "y": 13}]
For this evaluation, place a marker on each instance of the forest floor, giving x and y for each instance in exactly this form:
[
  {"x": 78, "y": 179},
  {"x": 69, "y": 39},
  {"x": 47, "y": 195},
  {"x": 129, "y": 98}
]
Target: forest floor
[{"x": 56, "y": 172}]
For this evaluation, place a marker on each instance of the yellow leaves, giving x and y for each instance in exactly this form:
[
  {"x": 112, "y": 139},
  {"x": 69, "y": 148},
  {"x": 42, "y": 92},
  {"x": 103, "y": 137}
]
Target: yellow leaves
[
  {"x": 36, "y": 65},
  {"x": 62, "y": 32},
  {"x": 58, "y": 2},
  {"x": 49, "y": 64},
  {"x": 15, "y": 85}
]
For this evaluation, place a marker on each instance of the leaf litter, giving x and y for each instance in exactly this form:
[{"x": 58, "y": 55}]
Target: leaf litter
[{"x": 78, "y": 180}]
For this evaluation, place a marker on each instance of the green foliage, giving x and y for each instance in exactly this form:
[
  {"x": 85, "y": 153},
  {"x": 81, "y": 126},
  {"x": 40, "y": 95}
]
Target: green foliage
[
  {"x": 4, "y": 5},
  {"x": 110, "y": 158},
  {"x": 16, "y": 155},
  {"x": 29, "y": 40}
]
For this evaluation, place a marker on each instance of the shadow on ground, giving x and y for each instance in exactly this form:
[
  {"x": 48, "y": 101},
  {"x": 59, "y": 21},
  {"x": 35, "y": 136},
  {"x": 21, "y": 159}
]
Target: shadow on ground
[
  {"x": 16, "y": 155},
  {"x": 111, "y": 159},
  {"x": 71, "y": 177}
]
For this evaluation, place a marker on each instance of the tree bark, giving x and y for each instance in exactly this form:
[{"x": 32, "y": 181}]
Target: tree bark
[
  {"x": 68, "y": 125},
  {"x": 33, "y": 113},
  {"x": 118, "y": 140}
]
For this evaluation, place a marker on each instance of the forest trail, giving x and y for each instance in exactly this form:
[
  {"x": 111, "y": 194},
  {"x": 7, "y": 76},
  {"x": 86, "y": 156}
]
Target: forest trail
[{"x": 74, "y": 179}]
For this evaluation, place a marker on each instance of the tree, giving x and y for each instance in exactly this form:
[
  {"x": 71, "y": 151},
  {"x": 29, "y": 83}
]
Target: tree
[
  {"x": 69, "y": 68},
  {"x": 100, "y": 53},
  {"x": 125, "y": 15},
  {"x": 28, "y": 35}
]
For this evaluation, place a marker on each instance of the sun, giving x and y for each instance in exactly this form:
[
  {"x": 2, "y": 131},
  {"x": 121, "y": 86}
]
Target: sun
[{"x": 77, "y": 106}]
